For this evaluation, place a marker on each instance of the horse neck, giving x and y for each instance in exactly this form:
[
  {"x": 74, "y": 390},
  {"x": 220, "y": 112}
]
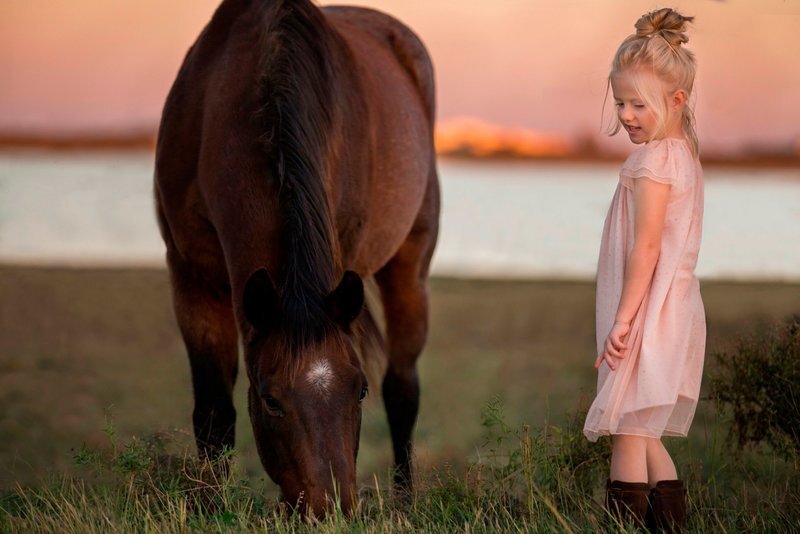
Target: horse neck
[{"x": 298, "y": 85}]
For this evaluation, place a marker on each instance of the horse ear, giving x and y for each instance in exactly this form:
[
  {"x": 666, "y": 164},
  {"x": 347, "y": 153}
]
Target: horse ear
[
  {"x": 260, "y": 299},
  {"x": 344, "y": 303}
]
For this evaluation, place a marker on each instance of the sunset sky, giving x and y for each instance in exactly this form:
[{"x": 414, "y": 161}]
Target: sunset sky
[{"x": 92, "y": 66}]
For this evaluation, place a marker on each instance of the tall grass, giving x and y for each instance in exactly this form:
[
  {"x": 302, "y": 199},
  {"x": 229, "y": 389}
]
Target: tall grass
[{"x": 529, "y": 479}]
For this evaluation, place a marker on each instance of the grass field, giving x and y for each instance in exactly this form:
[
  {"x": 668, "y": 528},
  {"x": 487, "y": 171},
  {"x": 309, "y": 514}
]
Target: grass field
[{"x": 82, "y": 348}]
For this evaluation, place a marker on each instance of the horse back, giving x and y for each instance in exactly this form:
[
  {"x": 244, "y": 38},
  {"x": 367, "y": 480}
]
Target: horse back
[{"x": 396, "y": 37}]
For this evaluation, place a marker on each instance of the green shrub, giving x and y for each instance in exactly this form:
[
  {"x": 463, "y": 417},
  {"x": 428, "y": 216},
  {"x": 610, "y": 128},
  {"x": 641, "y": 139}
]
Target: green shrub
[{"x": 759, "y": 383}]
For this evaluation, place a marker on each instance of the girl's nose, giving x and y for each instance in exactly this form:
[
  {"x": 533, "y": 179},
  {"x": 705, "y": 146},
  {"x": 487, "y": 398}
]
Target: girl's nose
[{"x": 625, "y": 113}]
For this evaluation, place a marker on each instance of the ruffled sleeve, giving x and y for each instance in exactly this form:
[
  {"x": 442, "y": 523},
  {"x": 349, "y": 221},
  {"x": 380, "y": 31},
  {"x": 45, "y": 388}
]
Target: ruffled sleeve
[{"x": 655, "y": 160}]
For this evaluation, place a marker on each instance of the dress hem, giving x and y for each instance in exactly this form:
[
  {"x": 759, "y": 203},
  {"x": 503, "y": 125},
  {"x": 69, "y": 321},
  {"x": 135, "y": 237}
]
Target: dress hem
[{"x": 594, "y": 435}]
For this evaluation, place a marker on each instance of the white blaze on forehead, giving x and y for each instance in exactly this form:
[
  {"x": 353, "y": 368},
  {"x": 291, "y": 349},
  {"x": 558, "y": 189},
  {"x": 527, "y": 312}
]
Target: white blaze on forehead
[{"x": 320, "y": 375}]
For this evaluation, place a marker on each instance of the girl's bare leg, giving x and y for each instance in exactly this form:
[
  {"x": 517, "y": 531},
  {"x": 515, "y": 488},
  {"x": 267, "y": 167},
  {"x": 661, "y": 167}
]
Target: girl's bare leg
[
  {"x": 629, "y": 462},
  {"x": 659, "y": 464}
]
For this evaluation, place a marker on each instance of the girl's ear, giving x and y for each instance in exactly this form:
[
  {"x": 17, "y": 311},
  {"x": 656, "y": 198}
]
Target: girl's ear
[{"x": 678, "y": 99}]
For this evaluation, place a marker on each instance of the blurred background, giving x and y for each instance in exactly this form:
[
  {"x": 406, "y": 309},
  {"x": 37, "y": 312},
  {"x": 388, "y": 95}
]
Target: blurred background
[{"x": 527, "y": 176}]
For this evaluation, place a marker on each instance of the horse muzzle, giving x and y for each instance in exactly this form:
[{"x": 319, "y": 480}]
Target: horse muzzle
[{"x": 319, "y": 501}]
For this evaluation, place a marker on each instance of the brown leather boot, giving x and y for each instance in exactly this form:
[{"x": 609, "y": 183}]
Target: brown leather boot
[
  {"x": 627, "y": 501},
  {"x": 668, "y": 507}
]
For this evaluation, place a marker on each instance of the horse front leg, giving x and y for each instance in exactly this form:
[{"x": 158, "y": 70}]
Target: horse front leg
[
  {"x": 206, "y": 321},
  {"x": 404, "y": 292}
]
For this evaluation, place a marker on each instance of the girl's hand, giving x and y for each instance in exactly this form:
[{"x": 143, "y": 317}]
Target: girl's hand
[{"x": 614, "y": 345}]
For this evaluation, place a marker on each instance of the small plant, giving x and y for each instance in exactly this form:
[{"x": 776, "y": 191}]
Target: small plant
[
  {"x": 580, "y": 465},
  {"x": 500, "y": 451},
  {"x": 759, "y": 383},
  {"x": 145, "y": 468},
  {"x": 546, "y": 471}
]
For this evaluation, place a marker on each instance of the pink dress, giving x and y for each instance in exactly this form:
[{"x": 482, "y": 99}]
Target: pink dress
[{"x": 655, "y": 388}]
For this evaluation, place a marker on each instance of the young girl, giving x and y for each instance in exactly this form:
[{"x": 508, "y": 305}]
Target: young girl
[{"x": 650, "y": 318}]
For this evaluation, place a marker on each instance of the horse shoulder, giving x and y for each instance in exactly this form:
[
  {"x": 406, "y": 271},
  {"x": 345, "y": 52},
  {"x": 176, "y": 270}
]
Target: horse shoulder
[
  {"x": 180, "y": 128},
  {"x": 183, "y": 214},
  {"x": 182, "y": 118}
]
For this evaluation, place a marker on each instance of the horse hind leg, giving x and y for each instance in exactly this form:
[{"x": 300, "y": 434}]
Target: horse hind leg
[
  {"x": 206, "y": 321},
  {"x": 404, "y": 292}
]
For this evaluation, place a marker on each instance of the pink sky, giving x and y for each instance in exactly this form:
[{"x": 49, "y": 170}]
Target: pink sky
[{"x": 85, "y": 66}]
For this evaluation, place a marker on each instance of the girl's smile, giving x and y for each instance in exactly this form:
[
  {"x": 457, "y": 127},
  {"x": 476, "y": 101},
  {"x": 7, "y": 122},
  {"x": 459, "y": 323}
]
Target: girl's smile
[{"x": 633, "y": 130}]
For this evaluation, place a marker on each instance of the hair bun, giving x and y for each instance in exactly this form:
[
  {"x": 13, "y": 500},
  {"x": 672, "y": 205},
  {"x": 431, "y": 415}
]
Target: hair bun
[{"x": 665, "y": 22}]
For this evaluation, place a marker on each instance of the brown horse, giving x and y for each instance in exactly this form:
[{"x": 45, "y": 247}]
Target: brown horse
[{"x": 295, "y": 157}]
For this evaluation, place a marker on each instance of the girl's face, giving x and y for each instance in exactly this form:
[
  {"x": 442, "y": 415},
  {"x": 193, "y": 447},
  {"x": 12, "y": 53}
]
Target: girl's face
[{"x": 635, "y": 115}]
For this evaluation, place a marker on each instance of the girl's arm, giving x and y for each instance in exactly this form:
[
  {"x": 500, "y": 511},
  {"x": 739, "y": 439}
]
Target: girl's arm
[{"x": 650, "y": 208}]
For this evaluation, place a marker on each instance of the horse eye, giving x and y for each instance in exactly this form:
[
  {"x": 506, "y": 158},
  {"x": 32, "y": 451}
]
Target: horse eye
[
  {"x": 273, "y": 406},
  {"x": 364, "y": 391}
]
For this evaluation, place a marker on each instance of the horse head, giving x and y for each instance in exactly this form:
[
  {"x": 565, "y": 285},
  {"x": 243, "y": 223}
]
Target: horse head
[{"x": 306, "y": 390}]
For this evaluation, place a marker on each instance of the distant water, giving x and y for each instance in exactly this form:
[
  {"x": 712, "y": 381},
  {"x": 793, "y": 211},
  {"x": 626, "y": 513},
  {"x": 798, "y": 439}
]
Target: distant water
[{"x": 498, "y": 220}]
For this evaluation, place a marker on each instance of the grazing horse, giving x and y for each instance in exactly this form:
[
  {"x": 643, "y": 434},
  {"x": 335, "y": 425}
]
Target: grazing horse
[{"x": 295, "y": 157}]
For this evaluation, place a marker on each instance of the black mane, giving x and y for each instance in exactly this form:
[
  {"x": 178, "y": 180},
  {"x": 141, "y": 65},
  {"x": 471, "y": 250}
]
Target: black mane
[{"x": 297, "y": 82}]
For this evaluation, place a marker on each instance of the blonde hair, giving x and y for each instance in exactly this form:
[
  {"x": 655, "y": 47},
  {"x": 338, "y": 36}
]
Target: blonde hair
[{"x": 657, "y": 47}]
